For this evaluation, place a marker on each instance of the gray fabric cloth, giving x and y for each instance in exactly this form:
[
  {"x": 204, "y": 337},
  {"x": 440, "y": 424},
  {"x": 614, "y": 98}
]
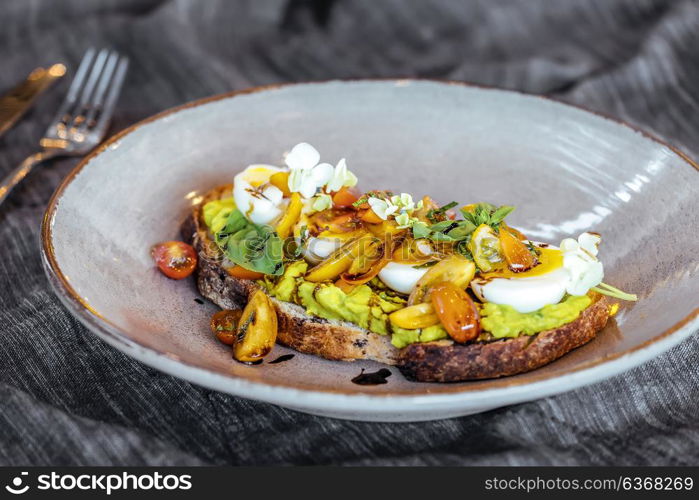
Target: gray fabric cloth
[{"x": 67, "y": 398}]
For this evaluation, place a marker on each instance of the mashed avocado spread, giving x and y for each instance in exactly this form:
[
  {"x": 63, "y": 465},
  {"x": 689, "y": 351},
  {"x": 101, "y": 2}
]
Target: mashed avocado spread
[
  {"x": 504, "y": 321},
  {"x": 216, "y": 213},
  {"x": 362, "y": 306},
  {"x": 369, "y": 308}
]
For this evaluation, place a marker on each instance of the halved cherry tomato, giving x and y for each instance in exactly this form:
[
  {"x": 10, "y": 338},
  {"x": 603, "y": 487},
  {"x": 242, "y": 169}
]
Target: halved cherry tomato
[
  {"x": 518, "y": 234},
  {"x": 516, "y": 253},
  {"x": 337, "y": 262},
  {"x": 244, "y": 274},
  {"x": 335, "y": 220},
  {"x": 345, "y": 197},
  {"x": 413, "y": 317},
  {"x": 367, "y": 254},
  {"x": 224, "y": 324},
  {"x": 257, "y": 329},
  {"x": 290, "y": 217},
  {"x": 281, "y": 181},
  {"x": 343, "y": 223},
  {"x": 344, "y": 286},
  {"x": 414, "y": 251},
  {"x": 175, "y": 259},
  {"x": 485, "y": 248},
  {"x": 370, "y": 217},
  {"x": 382, "y": 256},
  {"x": 456, "y": 311},
  {"x": 456, "y": 269}
]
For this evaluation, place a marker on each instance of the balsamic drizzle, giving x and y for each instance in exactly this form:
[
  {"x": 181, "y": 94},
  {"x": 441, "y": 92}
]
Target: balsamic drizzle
[
  {"x": 373, "y": 378},
  {"x": 282, "y": 358}
]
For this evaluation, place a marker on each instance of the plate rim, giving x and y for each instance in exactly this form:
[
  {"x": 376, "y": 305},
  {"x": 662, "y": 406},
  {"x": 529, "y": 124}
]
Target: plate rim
[{"x": 511, "y": 390}]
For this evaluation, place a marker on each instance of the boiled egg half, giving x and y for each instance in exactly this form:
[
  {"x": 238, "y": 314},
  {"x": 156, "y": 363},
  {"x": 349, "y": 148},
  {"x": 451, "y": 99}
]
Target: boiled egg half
[
  {"x": 401, "y": 277},
  {"x": 259, "y": 201},
  {"x": 530, "y": 290}
]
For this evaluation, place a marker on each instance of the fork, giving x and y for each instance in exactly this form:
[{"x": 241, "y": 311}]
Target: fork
[{"x": 82, "y": 120}]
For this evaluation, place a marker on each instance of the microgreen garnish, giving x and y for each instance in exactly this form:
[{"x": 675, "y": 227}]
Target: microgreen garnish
[
  {"x": 485, "y": 213},
  {"x": 448, "y": 230},
  {"x": 438, "y": 214},
  {"x": 609, "y": 290}
]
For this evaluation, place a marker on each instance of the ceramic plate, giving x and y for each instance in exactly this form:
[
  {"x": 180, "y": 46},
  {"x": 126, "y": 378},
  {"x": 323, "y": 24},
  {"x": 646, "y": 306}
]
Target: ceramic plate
[{"x": 566, "y": 170}]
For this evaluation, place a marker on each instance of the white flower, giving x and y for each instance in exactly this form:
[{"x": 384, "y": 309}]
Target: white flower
[
  {"x": 590, "y": 242},
  {"x": 404, "y": 202},
  {"x": 302, "y": 181},
  {"x": 382, "y": 208},
  {"x": 341, "y": 177},
  {"x": 579, "y": 259},
  {"x": 322, "y": 202},
  {"x": 306, "y": 175},
  {"x": 303, "y": 156},
  {"x": 405, "y": 221},
  {"x": 322, "y": 173}
]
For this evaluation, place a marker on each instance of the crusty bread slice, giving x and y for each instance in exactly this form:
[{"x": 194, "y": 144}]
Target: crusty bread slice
[
  {"x": 442, "y": 361},
  {"x": 327, "y": 338}
]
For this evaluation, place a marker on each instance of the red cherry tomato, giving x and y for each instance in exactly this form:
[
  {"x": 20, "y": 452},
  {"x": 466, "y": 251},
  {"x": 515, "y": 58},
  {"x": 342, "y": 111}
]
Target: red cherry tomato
[
  {"x": 175, "y": 259},
  {"x": 245, "y": 274},
  {"x": 345, "y": 197},
  {"x": 456, "y": 311},
  {"x": 517, "y": 255},
  {"x": 224, "y": 324}
]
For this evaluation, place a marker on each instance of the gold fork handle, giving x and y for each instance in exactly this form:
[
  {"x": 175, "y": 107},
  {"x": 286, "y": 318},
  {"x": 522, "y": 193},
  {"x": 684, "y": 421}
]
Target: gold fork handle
[{"x": 19, "y": 173}]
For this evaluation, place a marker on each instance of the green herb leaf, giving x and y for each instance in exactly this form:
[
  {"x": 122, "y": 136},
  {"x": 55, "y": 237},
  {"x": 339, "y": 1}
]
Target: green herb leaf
[
  {"x": 421, "y": 230},
  {"x": 462, "y": 248},
  {"x": 499, "y": 215},
  {"x": 437, "y": 214},
  {"x": 485, "y": 213},
  {"x": 448, "y": 230},
  {"x": 252, "y": 246}
]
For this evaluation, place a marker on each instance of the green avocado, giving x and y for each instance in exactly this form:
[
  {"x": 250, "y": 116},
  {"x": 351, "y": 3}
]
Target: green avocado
[
  {"x": 286, "y": 285},
  {"x": 216, "y": 213},
  {"x": 362, "y": 306},
  {"x": 402, "y": 337},
  {"x": 504, "y": 321},
  {"x": 369, "y": 309}
]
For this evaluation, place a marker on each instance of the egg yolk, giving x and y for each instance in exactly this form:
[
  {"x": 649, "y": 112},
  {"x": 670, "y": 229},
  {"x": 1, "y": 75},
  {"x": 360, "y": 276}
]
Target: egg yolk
[
  {"x": 256, "y": 176},
  {"x": 550, "y": 259}
]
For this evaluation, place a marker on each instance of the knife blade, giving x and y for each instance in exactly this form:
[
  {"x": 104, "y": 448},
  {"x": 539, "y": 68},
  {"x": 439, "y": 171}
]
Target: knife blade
[{"x": 18, "y": 100}]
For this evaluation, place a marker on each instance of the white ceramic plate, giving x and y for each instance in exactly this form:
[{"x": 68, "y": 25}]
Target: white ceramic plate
[{"x": 567, "y": 171}]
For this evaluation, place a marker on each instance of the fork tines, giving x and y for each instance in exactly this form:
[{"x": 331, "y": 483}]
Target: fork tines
[{"x": 92, "y": 94}]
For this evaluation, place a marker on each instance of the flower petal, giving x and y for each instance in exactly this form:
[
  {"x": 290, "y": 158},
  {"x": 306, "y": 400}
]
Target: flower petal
[
  {"x": 322, "y": 173},
  {"x": 590, "y": 242},
  {"x": 302, "y": 156},
  {"x": 322, "y": 202},
  {"x": 341, "y": 177},
  {"x": 379, "y": 206}
]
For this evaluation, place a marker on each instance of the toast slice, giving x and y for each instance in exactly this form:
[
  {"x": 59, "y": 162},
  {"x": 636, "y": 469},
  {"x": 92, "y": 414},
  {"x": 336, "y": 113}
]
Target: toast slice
[{"x": 441, "y": 361}]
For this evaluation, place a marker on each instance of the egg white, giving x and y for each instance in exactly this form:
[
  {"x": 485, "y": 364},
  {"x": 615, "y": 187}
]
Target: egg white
[
  {"x": 525, "y": 294},
  {"x": 401, "y": 277},
  {"x": 317, "y": 249},
  {"x": 267, "y": 205}
]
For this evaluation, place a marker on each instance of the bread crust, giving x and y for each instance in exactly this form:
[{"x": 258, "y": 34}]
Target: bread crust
[
  {"x": 329, "y": 339},
  {"x": 432, "y": 362},
  {"x": 442, "y": 361}
]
